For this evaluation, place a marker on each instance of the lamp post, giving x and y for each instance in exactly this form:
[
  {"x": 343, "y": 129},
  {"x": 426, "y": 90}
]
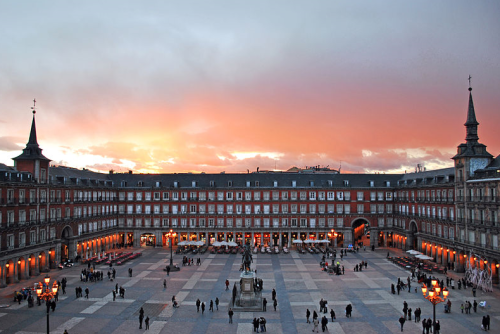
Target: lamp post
[
  {"x": 434, "y": 296},
  {"x": 332, "y": 234},
  {"x": 171, "y": 234},
  {"x": 44, "y": 292}
]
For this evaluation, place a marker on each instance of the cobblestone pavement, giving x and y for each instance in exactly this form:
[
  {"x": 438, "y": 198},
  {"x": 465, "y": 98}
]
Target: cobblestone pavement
[{"x": 297, "y": 278}]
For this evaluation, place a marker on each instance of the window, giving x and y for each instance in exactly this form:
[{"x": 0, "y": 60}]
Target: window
[
  {"x": 312, "y": 195},
  {"x": 166, "y": 196},
  {"x": 360, "y": 196},
  {"x": 331, "y": 195}
]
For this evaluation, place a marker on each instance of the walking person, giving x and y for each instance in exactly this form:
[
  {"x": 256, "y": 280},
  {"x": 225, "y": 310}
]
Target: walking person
[
  {"x": 211, "y": 307},
  {"x": 114, "y": 295},
  {"x": 146, "y": 322},
  {"x": 217, "y": 303},
  {"x": 275, "y": 304},
  {"x": 230, "y": 313},
  {"x": 273, "y": 294},
  {"x": 87, "y": 293},
  {"x": 332, "y": 314},
  {"x": 164, "y": 284},
  {"x": 202, "y": 308},
  {"x": 198, "y": 303},
  {"x": 264, "y": 305},
  {"x": 227, "y": 284},
  {"x": 402, "y": 322},
  {"x": 316, "y": 324},
  {"x": 308, "y": 314},
  {"x": 324, "y": 323}
]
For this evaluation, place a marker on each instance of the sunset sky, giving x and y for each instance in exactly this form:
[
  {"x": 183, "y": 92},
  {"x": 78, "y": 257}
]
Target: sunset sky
[{"x": 212, "y": 86}]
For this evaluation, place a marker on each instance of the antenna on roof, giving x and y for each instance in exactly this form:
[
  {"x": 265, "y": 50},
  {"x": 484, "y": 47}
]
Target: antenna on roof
[
  {"x": 34, "y": 105},
  {"x": 340, "y": 167}
]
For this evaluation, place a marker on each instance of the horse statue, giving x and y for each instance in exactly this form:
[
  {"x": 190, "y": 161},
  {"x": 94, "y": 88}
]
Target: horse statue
[{"x": 247, "y": 258}]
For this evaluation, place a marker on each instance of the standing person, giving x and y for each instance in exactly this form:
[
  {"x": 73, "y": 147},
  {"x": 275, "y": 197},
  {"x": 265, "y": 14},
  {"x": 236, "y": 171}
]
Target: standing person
[
  {"x": 87, "y": 293},
  {"x": 275, "y": 304},
  {"x": 315, "y": 315},
  {"x": 164, "y": 284},
  {"x": 437, "y": 327},
  {"x": 227, "y": 284},
  {"x": 211, "y": 307},
  {"x": 202, "y": 308},
  {"x": 147, "y": 322},
  {"x": 475, "y": 306},
  {"x": 264, "y": 305},
  {"x": 402, "y": 322},
  {"x": 324, "y": 322},
  {"x": 168, "y": 270},
  {"x": 141, "y": 317},
  {"x": 217, "y": 303},
  {"x": 273, "y": 293},
  {"x": 488, "y": 322},
  {"x": 198, "y": 303},
  {"x": 114, "y": 295},
  {"x": 230, "y": 313},
  {"x": 116, "y": 287},
  {"x": 255, "y": 325},
  {"x": 332, "y": 314},
  {"x": 424, "y": 326},
  {"x": 409, "y": 314},
  {"x": 308, "y": 314},
  {"x": 315, "y": 323},
  {"x": 429, "y": 325},
  {"x": 405, "y": 309}
]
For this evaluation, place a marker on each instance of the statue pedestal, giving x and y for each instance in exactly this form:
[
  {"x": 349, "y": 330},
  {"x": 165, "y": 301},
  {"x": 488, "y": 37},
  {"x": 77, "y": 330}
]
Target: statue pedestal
[{"x": 247, "y": 291}]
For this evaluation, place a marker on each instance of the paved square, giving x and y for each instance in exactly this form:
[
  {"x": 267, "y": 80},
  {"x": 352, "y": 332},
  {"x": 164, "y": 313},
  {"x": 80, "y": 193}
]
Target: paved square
[{"x": 297, "y": 278}]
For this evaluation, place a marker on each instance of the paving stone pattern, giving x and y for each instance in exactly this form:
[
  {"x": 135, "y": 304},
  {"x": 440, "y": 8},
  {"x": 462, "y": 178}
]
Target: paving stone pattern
[{"x": 297, "y": 278}]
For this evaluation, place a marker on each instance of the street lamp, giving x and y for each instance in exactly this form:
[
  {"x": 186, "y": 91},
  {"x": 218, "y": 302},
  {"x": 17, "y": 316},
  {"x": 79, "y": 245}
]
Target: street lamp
[
  {"x": 332, "y": 234},
  {"x": 434, "y": 296},
  {"x": 44, "y": 292},
  {"x": 171, "y": 235}
]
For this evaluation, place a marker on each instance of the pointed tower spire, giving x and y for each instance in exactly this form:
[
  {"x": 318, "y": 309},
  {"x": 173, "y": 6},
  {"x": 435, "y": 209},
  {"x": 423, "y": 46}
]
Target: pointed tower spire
[
  {"x": 32, "y": 160},
  {"x": 471, "y": 123}
]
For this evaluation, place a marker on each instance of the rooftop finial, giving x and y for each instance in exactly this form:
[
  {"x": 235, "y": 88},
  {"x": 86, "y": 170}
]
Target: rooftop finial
[
  {"x": 470, "y": 88},
  {"x": 34, "y": 105}
]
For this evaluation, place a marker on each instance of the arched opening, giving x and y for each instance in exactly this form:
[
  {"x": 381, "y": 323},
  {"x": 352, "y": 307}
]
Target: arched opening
[
  {"x": 9, "y": 272},
  {"x": 66, "y": 235},
  {"x": 31, "y": 265},
  {"x": 361, "y": 232},
  {"x": 148, "y": 239},
  {"x": 20, "y": 268},
  {"x": 412, "y": 242}
]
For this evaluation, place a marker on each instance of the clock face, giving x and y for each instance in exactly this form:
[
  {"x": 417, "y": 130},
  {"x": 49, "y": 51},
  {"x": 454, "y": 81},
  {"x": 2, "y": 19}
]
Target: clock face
[{"x": 476, "y": 164}]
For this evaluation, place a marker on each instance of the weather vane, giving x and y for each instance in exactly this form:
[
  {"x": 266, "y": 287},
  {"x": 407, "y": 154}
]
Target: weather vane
[
  {"x": 33, "y": 108},
  {"x": 469, "y": 80}
]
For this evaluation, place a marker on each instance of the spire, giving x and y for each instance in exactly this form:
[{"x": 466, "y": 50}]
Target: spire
[
  {"x": 471, "y": 123},
  {"x": 32, "y": 150},
  {"x": 32, "y": 141}
]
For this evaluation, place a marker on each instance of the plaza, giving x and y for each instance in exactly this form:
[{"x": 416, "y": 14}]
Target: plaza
[{"x": 297, "y": 278}]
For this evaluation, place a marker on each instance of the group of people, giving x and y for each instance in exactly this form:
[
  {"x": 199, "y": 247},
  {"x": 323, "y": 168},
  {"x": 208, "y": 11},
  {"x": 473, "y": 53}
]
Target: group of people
[
  {"x": 200, "y": 304},
  {"x": 92, "y": 275},
  {"x": 79, "y": 292},
  {"x": 359, "y": 267},
  {"x": 141, "y": 318},
  {"x": 259, "y": 322},
  {"x": 186, "y": 261}
]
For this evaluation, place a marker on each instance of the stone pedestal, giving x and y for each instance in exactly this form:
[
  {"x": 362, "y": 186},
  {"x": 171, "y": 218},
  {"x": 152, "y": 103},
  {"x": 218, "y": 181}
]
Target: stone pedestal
[{"x": 247, "y": 295}]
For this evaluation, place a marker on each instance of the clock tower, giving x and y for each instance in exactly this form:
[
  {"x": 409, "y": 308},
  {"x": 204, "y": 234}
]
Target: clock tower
[{"x": 471, "y": 155}]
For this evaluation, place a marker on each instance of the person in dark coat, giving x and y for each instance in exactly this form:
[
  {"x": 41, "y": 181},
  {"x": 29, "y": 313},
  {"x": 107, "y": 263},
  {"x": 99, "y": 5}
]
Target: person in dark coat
[
  {"x": 315, "y": 315},
  {"x": 308, "y": 314},
  {"x": 402, "y": 322},
  {"x": 332, "y": 314},
  {"x": 324, "y": 322},
  {"x": 198, "y": 303},
  {"x": 264, "y": 304},
  {"x": 230, "y": 313},
  {"x": 202, "y": 307},
  {"x": 275, "y": 304},
  {"x": 147, "y": 323},
  {"x": 141, "y": 317}
]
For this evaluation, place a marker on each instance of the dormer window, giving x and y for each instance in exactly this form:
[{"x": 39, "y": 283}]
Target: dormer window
[
  {"x": 176, "y": 184},
  {"x": 372, "y": 184},
  {"x": 346, "y": 183},
  {"x": 212, "y": 184},
  {"x": 275, "y": 184},
  {"x": 294, "y": 184},
  {"x": 193, "y": 184},
  {"x": 229, "y": 183}
]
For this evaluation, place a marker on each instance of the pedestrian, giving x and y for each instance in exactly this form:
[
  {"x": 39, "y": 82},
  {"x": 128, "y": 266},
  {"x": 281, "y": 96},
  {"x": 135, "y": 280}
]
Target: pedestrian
[
  {"x": 168, "y": 270},
  {"x": 264, "y": 305},
  {"x": 147, "y": 323},
  {"x": 202, "y": 308},
  {"x": 255, "y": 323},
  {"x": 116, "y": 287},
  {"x": 474, "y": 291},
  {"x": 484, "y": 324},
  {"x": 475, "y": 306},
  {"x": 324, "y": 323},
  {"x": 437, "y": 327},
  {"x": 227, "y": 284},
  {"x": 211, "y": 307},
  {"x": 308, "y": 314},
  {"x": 273, "y": 293},
  {"x": 417, "y": 314},
  {"x": 275, "y": 304},
  {"x": 409, "y": 314},
  {"x": 462, "y": 308},
  {"x": 217, "y": 303},
  {"x": 315, "y": 323},
  {"x": 141, "y": 317},
  {"x": 164, "y": 284},
  {"x": 332, "y": 314},
  {"x": 262, "y": 322},
  {"x": 424, "y": 326},
  {"x": 114, "y": 295},
  {"x": 402, "y": 322},
  {"x": 429, "y": 325},
  {"x": 198, "y": 303},
  {"x": 348, "y": 310},
  {"x": 315, "y": 315},
  {"x": 230, "y": 313},
  {"x": 87, "y": 293},
  {"x": 488, "y": 322}
]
